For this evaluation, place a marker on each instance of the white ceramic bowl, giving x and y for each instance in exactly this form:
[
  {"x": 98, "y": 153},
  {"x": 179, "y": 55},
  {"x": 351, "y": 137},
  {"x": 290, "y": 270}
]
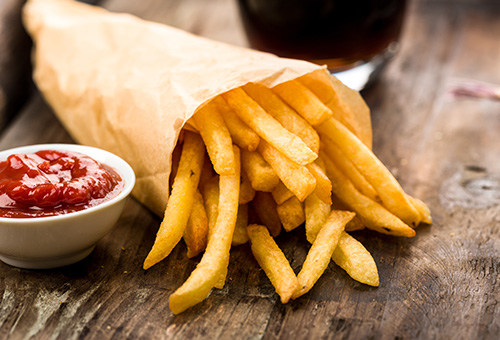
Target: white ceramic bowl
[{"x": 55, "y": 241}]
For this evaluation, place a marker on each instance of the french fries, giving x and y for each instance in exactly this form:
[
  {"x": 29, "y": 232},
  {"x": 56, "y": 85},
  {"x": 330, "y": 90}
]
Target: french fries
[
  {"x": 316, "y": 213},
  {"x": 281, "y": 193},
  {"x": 374, "y": 215},
  {"x": 240, "y": 235},
  {"x": 323, "y": 184},
  {"x": 214, "y": 262},
  {"x": 303, "y": 101},
  {"x": 217, "y": 139},
  {"x": 290, "y": 119},
  {"x": 291, "y": 213},
  {"x": 273, "y": 261},
  {"x": 269, "y": 128},
  {"x": 388, "y": 189},
  {"x": 242, "y": 135},
  {"x": 321, "y": 250},
  {"x": 180, "y": 201},
  {"x": 353, "y": 257},
  {"x": 297, "y": 178},
  {"x": 196, "y": 232},
  {"x": 261, "y": 175},
  {"x": 294, "y": 155}
]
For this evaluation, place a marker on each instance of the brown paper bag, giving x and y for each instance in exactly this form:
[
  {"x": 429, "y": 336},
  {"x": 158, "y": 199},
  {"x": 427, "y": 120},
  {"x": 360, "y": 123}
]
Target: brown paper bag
[{"x": 128, "y": 85}]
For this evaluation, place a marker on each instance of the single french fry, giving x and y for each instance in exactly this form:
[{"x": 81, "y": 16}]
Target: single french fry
[
  {"x": 373, "y": 215},
  {"x": 284, "y": 114},
  {"x": 323, "y": 185},
  {"x": 247, "y": 193},
  {"x": 213, "y": 264},
  {"x": 242, "y": 134},
  {"x": 259, "y": 172},
  {"x": 265, "y": 208},
  {"x": 422, "y": 208},
  {"x": 321, "y": 251},
  {"x": 347, "y": 105},
  {"x": 281, "y": 193},
  {"x": 196, "y": 232},
  {"x": 272, "y": 260},
  {"x": 210, "y": 193},
  {"x": 296, "y": 178},
  {"x": 240, "y": 235},
  {"x": 268, "y": 128},
  {"x": 389, "y": 190},
  {"x": 316, "y": 212},
  {"x": 216, "y": 137},
  {"x": 303, "y": 101},
  {"x": 348, "y": 169},
  {"x": 353, "y": 257},
  {"x": 291, "y": 213},
  {"x": 180, "y": 201}
]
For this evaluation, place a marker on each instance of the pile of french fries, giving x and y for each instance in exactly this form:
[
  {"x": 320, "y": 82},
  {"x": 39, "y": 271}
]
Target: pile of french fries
[{"x": 255, "y": 161}]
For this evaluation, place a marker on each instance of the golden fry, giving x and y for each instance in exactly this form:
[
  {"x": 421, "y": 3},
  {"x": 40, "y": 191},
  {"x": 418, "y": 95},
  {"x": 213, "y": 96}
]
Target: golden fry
[
  {"x": 216, "y": 137},
  {"x": 196, "y": 232},
  {"x": 374, "y": 215},
  {"x": 388, "y": 188},
  {"x": 287, "y": 117},
  {"x": 291, "y": 213},
  {"x": 323, "y": 185},
  {"x": 422, "y": 208},
  {"x": 316, "y": 213},
  {"x": 213, "y": 264},
  {"x": 295, "y": 177},
  {"x": 348, "y": 169},
  {"x": 210, "y": 193},
  {"x": 259, "y": 172},
  {"x": 269, "y": 128},
  {"x": 240, "y": 235},
  {"x": 281, "y": 193},
  {"x": 353, "y": 257},
  {"x": 181, "y": 200},
  {"x": 272, "y": 260},
  {"x": 321, "y": 251},
  {"x": 303, "y": 101},
  {"x": 347, "y": 105},
  {"x": 242, "y": 134}
]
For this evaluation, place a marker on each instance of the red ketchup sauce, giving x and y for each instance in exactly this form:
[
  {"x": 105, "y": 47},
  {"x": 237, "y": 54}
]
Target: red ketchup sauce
[{"x": 50, "y": 182}]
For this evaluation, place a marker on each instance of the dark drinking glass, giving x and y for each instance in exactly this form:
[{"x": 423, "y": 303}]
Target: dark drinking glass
[{"x": 342, "y": 34}]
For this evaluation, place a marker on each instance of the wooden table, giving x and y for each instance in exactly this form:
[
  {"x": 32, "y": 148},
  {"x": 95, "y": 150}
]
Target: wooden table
[{"x": 442, "y": 284}]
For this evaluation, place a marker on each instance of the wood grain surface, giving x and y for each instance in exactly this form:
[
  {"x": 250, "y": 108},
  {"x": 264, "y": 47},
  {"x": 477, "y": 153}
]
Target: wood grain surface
[{"x": 442, "y": 284}]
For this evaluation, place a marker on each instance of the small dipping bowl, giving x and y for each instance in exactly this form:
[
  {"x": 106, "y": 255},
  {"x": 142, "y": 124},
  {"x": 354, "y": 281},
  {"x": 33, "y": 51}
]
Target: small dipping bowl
[{"x": 56, "y": 241}]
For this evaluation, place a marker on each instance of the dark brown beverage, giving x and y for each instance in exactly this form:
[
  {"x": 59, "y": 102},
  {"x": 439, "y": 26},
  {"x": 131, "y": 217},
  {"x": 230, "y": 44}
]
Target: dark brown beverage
[{"x": 338, "y": 33}]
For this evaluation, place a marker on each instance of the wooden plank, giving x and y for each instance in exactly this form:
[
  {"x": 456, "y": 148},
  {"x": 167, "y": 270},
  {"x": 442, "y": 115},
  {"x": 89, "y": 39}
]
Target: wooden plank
[{"x": 441, "y": 284}]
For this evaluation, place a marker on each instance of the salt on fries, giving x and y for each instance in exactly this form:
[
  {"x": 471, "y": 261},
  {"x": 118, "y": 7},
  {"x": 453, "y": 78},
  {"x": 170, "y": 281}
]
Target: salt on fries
[{"x": 294, "y": 155}]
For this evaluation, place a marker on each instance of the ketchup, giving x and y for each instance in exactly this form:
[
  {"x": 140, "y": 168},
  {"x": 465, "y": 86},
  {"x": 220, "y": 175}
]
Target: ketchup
[{"x": 53, "y": 182}]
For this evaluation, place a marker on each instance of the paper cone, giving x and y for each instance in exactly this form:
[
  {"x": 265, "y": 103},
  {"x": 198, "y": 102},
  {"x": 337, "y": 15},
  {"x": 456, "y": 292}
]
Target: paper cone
[{"x": 128, "y": 86}]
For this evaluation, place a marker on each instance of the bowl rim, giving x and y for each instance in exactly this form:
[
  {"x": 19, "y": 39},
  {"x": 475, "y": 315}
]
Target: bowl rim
[{"x": 123, "y": 168}]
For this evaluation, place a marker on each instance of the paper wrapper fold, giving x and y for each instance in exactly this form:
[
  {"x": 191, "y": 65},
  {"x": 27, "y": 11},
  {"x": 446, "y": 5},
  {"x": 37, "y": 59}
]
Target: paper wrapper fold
[{"x": 128, "y": 85}]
